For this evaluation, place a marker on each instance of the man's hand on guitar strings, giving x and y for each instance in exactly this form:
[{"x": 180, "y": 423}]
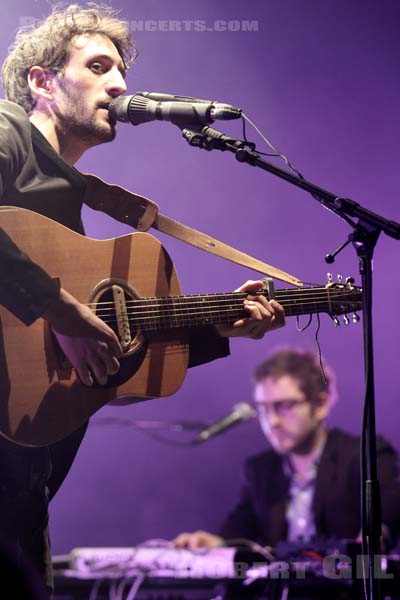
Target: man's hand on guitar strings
[
  {"x": 87, "y": 341},
  {"x": 263, "y": 315}
]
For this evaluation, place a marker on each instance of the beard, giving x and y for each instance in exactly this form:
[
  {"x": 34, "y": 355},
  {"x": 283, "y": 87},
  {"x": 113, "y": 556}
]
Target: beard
[
  {"x": 90, "y": 125},
  {"x": 88, "y": 128}
]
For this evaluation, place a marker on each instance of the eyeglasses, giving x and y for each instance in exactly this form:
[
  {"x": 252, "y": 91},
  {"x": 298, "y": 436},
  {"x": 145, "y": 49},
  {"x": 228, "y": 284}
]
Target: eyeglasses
[{"x": 280, "y": 408}]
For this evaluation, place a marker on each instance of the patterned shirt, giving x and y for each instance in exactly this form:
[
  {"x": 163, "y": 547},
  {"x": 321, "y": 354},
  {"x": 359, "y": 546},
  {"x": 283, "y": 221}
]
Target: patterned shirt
[{"x": 299, "y": 510}]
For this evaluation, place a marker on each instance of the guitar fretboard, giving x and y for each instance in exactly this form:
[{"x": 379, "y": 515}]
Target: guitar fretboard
[{"x": 151, "y": 314}]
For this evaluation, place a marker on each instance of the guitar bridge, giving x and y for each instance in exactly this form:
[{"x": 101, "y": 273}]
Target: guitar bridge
[{"x": 121, "y": 314}]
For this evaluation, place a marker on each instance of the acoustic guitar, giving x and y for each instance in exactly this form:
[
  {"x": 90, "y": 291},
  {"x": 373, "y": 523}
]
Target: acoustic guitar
[{"x": 130, "y": 283}]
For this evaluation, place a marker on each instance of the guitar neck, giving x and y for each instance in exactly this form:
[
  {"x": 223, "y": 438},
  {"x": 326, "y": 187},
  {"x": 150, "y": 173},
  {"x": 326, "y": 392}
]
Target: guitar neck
[{"x": 151, "y": 314}]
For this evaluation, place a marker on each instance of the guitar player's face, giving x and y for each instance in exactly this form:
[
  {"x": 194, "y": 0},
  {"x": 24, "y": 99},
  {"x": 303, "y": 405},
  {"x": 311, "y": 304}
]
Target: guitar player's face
[
  {"x": 289, "y": 421},
  {"x": 93, "y": 75}
]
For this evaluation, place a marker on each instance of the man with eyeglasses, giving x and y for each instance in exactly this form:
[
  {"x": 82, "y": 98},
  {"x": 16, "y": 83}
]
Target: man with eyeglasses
[{"x": 307, "y": 484}]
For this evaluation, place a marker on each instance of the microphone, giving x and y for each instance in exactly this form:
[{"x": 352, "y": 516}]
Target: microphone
[
  {"x": 241, "y": 412},
  {"x": 138, "y": 108}
]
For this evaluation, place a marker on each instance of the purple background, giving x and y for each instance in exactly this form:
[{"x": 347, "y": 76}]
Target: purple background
[{"x": 320, "y": 79}]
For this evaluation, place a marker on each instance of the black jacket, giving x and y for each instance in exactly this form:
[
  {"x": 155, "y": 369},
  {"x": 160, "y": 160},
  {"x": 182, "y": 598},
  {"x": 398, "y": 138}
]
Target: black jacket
[{"x": 260, "y": 514}]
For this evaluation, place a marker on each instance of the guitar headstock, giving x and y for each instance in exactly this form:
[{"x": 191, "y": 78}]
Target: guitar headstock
[{"x": 346, "y": 298}]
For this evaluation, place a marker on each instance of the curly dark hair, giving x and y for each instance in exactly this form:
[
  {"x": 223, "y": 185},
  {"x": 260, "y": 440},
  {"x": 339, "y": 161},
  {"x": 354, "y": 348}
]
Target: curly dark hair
[
  {"x": 48, "y": 45},
  {"x": 302, "y": 366}
]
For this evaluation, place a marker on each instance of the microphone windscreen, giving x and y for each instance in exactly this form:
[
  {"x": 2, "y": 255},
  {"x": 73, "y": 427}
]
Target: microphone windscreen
[
  {"x": 244, "y": 410},
  {"x": 119, "y": 108}
]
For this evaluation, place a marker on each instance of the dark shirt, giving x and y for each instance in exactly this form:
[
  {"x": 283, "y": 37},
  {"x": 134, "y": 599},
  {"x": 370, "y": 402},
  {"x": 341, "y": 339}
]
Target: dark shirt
[{"x": 33, "y": 176}]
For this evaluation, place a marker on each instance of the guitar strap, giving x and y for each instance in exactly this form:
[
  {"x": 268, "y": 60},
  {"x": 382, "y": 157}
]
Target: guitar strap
[{"x": 141, "y": 213}]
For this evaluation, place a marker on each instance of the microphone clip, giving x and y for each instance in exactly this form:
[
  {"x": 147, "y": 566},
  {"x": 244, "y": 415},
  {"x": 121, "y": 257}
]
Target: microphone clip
[{"x": 207, "y": 138}]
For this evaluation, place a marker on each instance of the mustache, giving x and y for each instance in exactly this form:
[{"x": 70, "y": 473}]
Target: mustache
[{"x": 104, "y": 104}]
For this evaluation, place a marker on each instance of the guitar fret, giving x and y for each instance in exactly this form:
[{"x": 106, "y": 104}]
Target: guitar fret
[
  {"x": 211, "y": 309},
  {"x": 187, "y": 311},
  {"x": 296, "y": 306}
]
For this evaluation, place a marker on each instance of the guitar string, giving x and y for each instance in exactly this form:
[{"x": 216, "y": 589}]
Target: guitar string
[
  {"x": 171, "y": 302},
  {"x": 322, "y": 292},
  {"x": 189, "y": 311},
  {"x": 175, "y": 313},
  {"x": 157, "y": 319}
]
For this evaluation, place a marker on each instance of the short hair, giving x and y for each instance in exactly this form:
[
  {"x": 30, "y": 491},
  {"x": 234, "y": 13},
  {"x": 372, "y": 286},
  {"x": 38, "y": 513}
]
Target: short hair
[
  {"x": 303, "y": 366},
  {"x": 48, "y": 45}
]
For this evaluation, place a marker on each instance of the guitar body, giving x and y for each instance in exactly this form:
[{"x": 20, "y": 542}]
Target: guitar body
[{"x": 41, "y": 399}]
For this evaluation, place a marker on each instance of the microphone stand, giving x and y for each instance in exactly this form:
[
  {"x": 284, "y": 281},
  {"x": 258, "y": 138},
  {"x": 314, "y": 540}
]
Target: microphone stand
[
  {"x": 365, "y": 234},
  {"x": 151, "y": 425}
]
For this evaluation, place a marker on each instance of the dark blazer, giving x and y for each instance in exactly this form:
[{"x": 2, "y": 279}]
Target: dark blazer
[{"x": 260, "y": 514}]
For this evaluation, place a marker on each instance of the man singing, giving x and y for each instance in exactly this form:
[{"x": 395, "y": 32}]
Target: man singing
[{"x": 59, "y": 79}]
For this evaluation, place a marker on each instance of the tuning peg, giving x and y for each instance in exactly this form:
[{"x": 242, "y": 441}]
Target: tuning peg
[
  {"x": 329, "y": 277},
  {"x": 340, "y": 279},
  {"x": 355, "y": 318},
  {"x": 335, "y": 320},
  {"x": 346, "y": 319},
  {"x": 349, "y": 282}
]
